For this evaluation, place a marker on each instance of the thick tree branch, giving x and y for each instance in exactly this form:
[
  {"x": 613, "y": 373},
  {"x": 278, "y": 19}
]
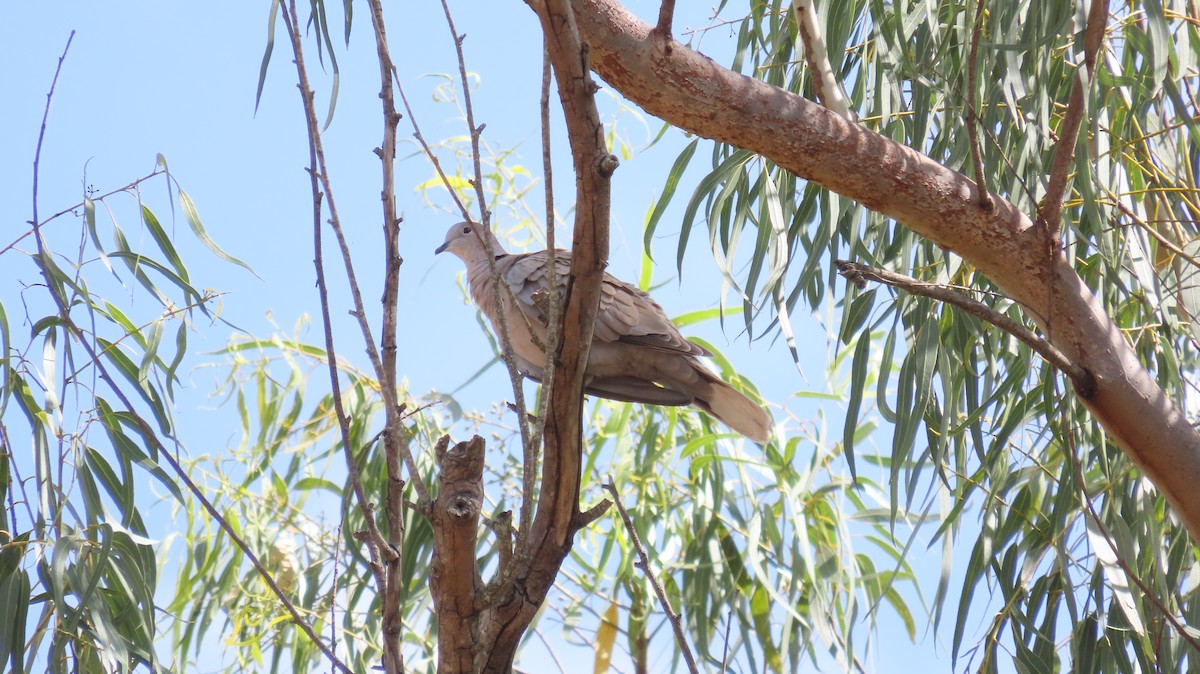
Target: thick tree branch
[
  {"x": 454, "y": 575},
  {"x": 554, "y": 522},
  {"x": 694, "y": 93}
]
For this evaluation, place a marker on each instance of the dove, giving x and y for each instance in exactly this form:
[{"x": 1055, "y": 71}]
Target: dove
[{"x": 637, "y": 354}]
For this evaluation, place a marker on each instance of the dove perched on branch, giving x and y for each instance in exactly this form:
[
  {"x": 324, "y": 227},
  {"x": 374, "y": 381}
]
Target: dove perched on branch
[{"x": 637, "y": 354}]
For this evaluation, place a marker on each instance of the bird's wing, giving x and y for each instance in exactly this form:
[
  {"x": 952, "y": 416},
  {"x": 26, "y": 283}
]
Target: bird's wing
[{"x": 626, "y": 313}]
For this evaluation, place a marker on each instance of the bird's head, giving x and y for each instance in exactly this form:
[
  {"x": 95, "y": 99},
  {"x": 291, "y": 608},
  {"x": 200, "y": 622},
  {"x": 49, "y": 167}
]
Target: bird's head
[{"x": 465, "y": 240}]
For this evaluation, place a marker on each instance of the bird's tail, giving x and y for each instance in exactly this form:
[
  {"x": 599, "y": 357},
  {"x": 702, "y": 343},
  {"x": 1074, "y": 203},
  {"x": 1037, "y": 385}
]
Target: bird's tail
[{"x": 733, "y": 409}]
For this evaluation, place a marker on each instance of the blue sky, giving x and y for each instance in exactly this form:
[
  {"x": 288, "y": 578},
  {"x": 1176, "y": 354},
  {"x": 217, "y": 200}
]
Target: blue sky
[{"x": 179, "y": 79}]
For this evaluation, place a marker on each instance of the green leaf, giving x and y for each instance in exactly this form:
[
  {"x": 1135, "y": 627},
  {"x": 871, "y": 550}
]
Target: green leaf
[
  {"x": 669, "y": 187},
  {"x": 266, "y": 59},
  {"x": 858, "y": 384},
  {"x": 15, "y": 591},
  {"x": 193, "y": 219}
]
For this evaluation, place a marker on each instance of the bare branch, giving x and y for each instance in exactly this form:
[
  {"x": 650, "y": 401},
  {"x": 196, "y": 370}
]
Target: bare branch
[
  {"x": 985, "y": 197},
  {"x": 377, "y": 545},
  {"x": 1050, "y": 211},
  {"x": 858, "y": 274},
  {"x": 592, "y": 514},
  {"x": 291, "y": 22},
  {"x": 666, "y": 16},
  {"x": 71, "y": 209},
  {"x": 485, "y": 218},
  {"x": 1153, "y": 231},
  {"x": 824, "y": 82},
  {"x": 530, "y": 463},
  {"x": 395, "y": 440},
  {"x": 643, "y": 563}
]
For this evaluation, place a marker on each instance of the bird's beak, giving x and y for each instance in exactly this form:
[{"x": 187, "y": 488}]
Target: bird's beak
[{"x": 441, "y": 248}]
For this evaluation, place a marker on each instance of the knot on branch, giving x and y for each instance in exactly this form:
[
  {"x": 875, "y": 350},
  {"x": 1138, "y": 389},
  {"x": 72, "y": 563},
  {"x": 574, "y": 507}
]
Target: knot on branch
[
  {"x": 463, "y": 505},
  {"x": 608, "y": 165},
  {"x": 852, "y": 273}
]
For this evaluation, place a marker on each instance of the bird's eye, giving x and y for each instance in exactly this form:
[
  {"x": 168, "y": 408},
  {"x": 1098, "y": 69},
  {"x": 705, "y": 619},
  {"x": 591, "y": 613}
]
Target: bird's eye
[{"x": 467, "y": 229}]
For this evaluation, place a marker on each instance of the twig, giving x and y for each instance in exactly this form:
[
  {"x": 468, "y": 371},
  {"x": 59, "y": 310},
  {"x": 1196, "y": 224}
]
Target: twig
[
  {"x": 156, "y": 172},
  {"x": 858, "y": 274},
  {"x": 514, "y": 374},
  {"x": 378, "y": 544},
  {"x": 395, "y": 442},
  {"x": 337, "y": 551},
  {"x": 208, "y": 297},
  {"x": 592, "y": 514},
  {"x": 428, "y": 151},
  {"x": 666, "y": 16},
  {"x": 825, "y": 84},
  {"x": 359, "y": 312},
  {"x": 14, "y": 477},
  {"x": 643, "y": 563},
  {"x": 985, "y": 197},
  {"x": 725, "y": 647},
  {"x": 378, "y": 547},
  {"x": 145, "y": 431},
  {"x": 530, "y": 465},
  {"x": 1162, "y": 240},
  {"x": 1050, "y": 210},
  {"x": 469, "y": 108},
  {"x": 37, "y": 158}
]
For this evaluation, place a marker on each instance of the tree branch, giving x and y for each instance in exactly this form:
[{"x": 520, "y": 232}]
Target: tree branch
[
  {"x": 1050, "y": 210},
  {"x": 666, "y": 16},
  {"x": 395, "y": 439},
  {"x": 692, "y": 92},
  {"x": 550, "y": 369},
  {"x": 643, "y": 563},
  {"x": 377, "y": 545},
  {"x": 485, "y": 216},
  {"x": 390, "y": 400},
  {"x": 816, "y": 55},
  {"x": 554, "y": 521},
  {"x": 858, "y": 274},
  {"x": 985, "y": 198},
  {"x": 454, "y": 573}
]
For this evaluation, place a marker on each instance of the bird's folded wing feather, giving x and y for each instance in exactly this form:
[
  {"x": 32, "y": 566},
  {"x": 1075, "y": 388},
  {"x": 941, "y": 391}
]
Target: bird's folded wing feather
[{"x": 626, "y": 313}]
